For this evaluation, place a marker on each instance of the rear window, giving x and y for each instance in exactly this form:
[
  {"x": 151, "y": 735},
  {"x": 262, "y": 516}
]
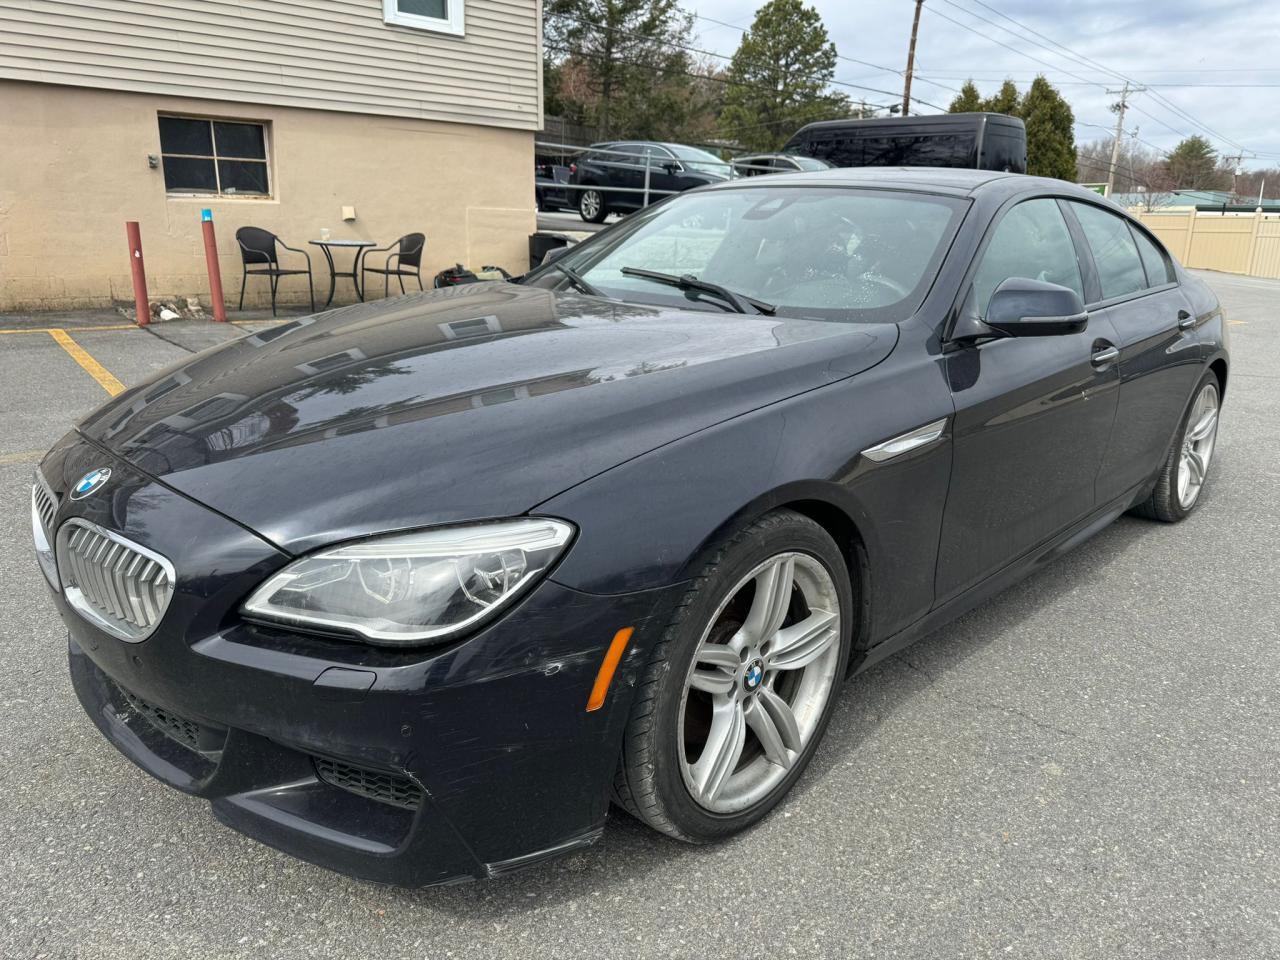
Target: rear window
[
  {"x": 1114, "y": 253},
  {"x": 1159, "y": 269}
]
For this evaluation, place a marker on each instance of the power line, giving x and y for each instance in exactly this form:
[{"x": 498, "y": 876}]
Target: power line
[
  {"x": 1084, "y": 60},
  {"x": 734, "y": 131},
  {"x": 839, "y": 56},
  {"x": 1077, "y": 57},
  {"x": 1090, "y": 62},
  {"x": 1095, "y": 83},
  {"x": 720, "y": 56},
  {"x": 1021, "y": 53}
]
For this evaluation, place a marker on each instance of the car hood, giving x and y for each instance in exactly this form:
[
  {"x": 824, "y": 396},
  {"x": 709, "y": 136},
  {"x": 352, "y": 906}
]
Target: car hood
[{"x": 464, "y": 403}]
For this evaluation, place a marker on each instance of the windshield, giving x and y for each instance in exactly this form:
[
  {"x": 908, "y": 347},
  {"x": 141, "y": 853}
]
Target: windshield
[
  {"x": 823, "y": 253},
  {"x": 810, "y": 163},
  {"x": 699, "y": 159}
]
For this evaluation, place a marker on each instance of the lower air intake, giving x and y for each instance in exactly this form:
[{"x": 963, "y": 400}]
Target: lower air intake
[
  {"x": 186, "y": 732},
  {"x": 383, "y": 787}
]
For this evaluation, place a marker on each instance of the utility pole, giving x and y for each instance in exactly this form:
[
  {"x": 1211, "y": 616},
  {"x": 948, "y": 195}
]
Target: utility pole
[
  {"x": 1234, "y": 160},
  {"x": 1119, "y": 109},
  {"x": 911, "y": 60}
]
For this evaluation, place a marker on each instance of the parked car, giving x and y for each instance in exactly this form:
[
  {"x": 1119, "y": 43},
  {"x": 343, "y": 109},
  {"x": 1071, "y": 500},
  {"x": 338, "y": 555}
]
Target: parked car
[
  {"x": 549, "y": 190},
  {"x": 412, "y": 588},
  {"x": 672, "y": 168},
  {"x": 983, "y": 141},
  {"x": 757, "y": 164}
]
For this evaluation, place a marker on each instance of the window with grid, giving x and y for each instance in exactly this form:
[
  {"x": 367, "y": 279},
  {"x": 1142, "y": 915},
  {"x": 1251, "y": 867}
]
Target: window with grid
[{"x": 216, "y": 157}]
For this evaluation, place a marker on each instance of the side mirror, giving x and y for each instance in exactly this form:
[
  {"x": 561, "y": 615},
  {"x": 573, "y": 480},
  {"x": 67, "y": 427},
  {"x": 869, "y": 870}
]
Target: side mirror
[
  {"x": 555, "y": 253},
  {"x": 1034, "y": 308},
  {"x": 671, "y": 167}
]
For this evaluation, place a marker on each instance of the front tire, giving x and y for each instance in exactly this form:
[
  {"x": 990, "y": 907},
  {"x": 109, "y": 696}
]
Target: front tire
[
  {"x": 1186, "y": 470},
  {"x": 591, "y": 206},
  {"x": 741, "y": 686}
]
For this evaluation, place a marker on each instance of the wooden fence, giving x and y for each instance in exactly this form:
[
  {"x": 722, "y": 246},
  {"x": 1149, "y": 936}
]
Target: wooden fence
[{"x": 1233, "y": 243}]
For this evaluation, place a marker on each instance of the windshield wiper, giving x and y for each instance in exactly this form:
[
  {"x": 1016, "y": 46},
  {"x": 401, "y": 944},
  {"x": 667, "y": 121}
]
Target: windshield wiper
[
  {"x": 738, "y": 301},
  {"x": 575, "y": 278}
]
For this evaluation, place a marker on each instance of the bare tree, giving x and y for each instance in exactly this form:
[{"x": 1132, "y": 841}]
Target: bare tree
[
  {"x": 1156, "y": 184},
  {"x": 1252, "y": 182},
  {"x": 1134, "y": 164}
]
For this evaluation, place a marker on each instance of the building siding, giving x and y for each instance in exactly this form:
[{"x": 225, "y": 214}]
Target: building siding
[
  {"x": 333, "y": 55},
  {"x": 82, "y": 173}
]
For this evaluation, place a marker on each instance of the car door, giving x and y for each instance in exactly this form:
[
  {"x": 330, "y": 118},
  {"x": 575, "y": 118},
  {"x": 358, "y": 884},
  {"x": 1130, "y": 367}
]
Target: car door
[
  {"x": 1033, "y": 415},
  {"x": 663, "y": 170},
  {"x": 624, "y": 166},
  {"x": 1138, "y": 293}
]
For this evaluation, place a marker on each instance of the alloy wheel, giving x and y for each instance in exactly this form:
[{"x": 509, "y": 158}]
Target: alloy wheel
[
  {"x": 761, "y": 677},
  {"x": 1197, "y": 445},
  {"x": 590, "y": 206}
]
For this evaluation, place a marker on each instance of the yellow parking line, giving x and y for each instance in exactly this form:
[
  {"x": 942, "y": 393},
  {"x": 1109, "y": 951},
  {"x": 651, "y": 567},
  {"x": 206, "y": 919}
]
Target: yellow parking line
[
  {"x": 133, "y": 326},
  {"x": 26, "y": 456},
  {"x": 106, "y": 326},
  {"x": 81, "y": 356}
]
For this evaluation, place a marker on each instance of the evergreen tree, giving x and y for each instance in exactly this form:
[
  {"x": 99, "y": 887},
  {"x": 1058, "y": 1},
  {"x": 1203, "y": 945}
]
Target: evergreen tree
[
  {"x": 1005, "y": 101},
  {"x": 1051, "y": 142},
  {"x": 618, "y": 64},
  {"x": 1193, "y": 165},
  {"x": 780, "y": 77},
  {"x": 968, "y": 100}
]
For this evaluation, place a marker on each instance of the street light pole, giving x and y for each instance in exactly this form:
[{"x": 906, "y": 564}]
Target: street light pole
[{"x": 911, "y": 60}]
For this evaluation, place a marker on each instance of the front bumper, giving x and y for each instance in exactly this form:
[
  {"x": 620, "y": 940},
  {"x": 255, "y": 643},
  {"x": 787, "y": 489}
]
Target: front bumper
[{"x": 405, "y": 767}]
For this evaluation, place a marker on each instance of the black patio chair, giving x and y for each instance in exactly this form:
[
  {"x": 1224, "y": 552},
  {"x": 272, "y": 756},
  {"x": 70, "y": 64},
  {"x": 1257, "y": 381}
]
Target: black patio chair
[
  {"x": 258, "y": 248},
  {"x": 407, "y": 254}
]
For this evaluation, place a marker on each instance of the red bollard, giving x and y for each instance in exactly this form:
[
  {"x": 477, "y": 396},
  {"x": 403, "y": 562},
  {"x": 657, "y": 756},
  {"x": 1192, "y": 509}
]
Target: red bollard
[
  {"x": 215, "y": 272},
  {"x": 140, "y": 303}
]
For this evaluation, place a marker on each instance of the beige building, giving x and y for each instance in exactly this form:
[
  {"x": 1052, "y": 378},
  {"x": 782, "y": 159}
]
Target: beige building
[{"x": 404, "y": 115}]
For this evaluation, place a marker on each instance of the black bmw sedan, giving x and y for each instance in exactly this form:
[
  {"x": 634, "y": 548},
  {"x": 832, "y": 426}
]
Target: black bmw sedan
[{"x": 414, "y": 589}]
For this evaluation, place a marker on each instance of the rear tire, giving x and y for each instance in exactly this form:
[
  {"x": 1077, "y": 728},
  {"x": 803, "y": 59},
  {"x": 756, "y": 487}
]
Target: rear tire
[
  {"x": 1185, "y": 472},
  {"x": 758, "y": 646},
  {"x": 591, "y": 206}
]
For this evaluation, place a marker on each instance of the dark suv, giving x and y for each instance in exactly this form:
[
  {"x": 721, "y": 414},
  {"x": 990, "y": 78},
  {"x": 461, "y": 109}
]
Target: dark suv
[{"x": 673, "y": 167}]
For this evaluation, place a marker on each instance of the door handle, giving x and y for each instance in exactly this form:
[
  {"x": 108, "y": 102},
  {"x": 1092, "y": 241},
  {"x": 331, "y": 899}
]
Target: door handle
[
  {"x": 1105, "y": 356},
  {"x": 1185, "y": 320}
]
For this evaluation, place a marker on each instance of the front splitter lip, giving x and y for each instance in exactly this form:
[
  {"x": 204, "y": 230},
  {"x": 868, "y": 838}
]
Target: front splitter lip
[{"x": 512, "y": 768}]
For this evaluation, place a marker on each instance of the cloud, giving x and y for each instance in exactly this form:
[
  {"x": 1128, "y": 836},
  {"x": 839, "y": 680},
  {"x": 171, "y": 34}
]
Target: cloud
[{"x": 1192, "y": 54}]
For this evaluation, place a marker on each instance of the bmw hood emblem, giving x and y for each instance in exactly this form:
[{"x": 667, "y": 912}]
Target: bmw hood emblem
[{"x": 90, "y": 482}]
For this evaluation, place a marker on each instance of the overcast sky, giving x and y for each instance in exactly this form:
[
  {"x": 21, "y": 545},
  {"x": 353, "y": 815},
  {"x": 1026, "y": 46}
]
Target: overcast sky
[{"x": 1159, "y": 43}]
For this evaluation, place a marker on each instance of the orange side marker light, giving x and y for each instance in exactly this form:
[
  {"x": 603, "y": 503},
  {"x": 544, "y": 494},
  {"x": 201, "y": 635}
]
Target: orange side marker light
[{"x": 607, "y": 668}]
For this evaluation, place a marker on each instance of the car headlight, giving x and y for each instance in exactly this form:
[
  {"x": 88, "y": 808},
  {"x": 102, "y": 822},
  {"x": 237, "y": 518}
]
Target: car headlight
[{"x": 413, "y": 588}]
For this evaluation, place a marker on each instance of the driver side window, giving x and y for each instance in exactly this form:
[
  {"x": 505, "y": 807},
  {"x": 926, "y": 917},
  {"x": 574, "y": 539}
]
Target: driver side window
[{"x": 1032, "y": 242}]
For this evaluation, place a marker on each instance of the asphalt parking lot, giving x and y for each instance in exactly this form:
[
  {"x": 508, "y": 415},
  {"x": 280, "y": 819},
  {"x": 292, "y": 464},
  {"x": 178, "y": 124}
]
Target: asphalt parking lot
[{"x": 1088, "y": 766}]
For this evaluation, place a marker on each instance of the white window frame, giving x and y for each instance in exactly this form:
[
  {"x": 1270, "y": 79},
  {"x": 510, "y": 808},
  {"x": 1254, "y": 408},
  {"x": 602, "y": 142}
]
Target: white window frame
[{"x": 451, "y": 24}]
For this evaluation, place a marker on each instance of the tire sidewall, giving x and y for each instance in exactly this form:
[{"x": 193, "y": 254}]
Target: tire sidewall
[{"x": 793, "y": 533}]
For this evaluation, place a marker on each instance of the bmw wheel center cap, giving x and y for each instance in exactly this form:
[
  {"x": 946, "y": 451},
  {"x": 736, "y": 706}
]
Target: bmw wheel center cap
[
  {"x": 90, "y": 482},
  {"x": 754, "y": 675}
]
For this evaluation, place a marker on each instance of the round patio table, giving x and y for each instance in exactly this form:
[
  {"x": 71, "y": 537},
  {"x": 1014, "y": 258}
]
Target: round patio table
[{"x": 359, "y": 246}]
